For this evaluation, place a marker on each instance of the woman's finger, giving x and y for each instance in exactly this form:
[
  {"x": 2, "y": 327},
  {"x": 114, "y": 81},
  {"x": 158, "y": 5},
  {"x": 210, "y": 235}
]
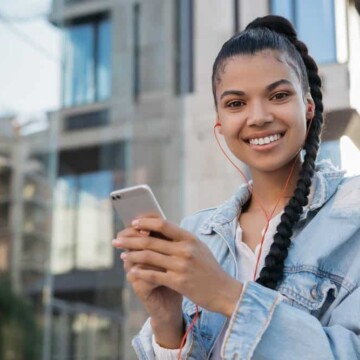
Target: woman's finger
[
  {"x": 129, "y": 233},
  {"x": 140, "y": 286},
  {"x": 164, "y": 227},
  {"x": 152, "y": 260},
  {"x": 129, "y": 264},
  {"x": 132, "y": 232},
  {"x": 153, "y": 277},
  {"x": 146, "y": 243}
]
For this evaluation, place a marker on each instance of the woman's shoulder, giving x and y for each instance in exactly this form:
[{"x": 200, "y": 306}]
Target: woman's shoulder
[
  {"x": 350, "y": 184},
  {"x": 334, "y": 189},
  {"x": 197, "y": 218},
  {"x": 347, "y": 196},
  {"x": 203, "y": 220}
]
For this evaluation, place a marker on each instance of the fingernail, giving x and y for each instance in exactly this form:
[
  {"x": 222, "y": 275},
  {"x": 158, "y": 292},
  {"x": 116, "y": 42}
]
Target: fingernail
[
  {"x": 135, "y": 223},
  {"x": 144, "y": 232},
  {"x": 117, "y": 242},
  {"x": 123, "y": 255}
]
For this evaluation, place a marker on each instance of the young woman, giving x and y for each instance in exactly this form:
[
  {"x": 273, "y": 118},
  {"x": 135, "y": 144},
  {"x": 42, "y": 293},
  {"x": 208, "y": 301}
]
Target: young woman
[{"x": 275, "y": 271}]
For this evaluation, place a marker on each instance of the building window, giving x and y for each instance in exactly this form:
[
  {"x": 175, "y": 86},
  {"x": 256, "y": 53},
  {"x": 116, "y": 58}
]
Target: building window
[
  {"x": 184, "y": 69},
  {"x": 87, "y": 75},
  {"x": 83, "y": 216},
  {"x": 315, "y": 25},
  {"x": 86, "y": 121}
]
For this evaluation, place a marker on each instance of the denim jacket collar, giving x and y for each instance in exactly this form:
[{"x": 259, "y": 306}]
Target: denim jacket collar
[{"x": 324, "y": 184}]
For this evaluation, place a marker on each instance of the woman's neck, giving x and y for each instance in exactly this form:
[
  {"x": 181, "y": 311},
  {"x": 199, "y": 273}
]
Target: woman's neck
[{"x": 268, "y": 188}]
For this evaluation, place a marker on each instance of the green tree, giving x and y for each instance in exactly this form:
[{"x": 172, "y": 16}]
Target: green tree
[{"x": 19, "y": 334}]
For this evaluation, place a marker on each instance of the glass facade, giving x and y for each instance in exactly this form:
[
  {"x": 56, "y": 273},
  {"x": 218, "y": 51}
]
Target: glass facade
[
  {"x": 82, "y": 210},
  {"x": 312, "y": 19},
  {"x": 103, "y": 57},
  {"x": 87, "y": 51}
]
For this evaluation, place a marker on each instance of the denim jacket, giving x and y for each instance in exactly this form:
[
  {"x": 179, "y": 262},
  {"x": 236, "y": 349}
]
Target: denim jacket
[{"x": 315, "y": 311}]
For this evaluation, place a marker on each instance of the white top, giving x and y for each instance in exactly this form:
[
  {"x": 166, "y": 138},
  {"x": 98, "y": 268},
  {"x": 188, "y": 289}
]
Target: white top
[{"x": 246, "y": 261}]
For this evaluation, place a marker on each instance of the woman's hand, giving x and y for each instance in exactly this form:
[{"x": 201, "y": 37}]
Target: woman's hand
[
  {"x": 162, "y": 304},
  {"x": 183, "y": 263}
]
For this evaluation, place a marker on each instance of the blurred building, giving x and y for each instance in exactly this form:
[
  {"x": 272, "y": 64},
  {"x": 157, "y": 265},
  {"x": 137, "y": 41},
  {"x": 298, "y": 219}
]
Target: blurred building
[
  {"x": 25, "y": 225},
  {"x": 25, "y": 201},
  {"x": 137, "y": 108},
  {"x": 119, "y": 93}
]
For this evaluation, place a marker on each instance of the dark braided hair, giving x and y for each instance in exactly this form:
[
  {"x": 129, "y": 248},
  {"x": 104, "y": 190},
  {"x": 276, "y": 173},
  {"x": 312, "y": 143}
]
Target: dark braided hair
[{"x": 277, "y": 33}]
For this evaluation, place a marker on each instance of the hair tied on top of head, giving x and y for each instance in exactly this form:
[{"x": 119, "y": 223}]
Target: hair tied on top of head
[
  {"x": 275, "y": 23},
  {"x": 284, "y": 27}
]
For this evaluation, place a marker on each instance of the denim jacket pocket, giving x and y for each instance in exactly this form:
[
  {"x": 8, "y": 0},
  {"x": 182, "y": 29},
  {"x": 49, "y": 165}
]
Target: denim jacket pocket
[
  {"x": 189, "y": 308},
  {"x": 209, "y": 324},
  {"x": 308, "y": 291}
]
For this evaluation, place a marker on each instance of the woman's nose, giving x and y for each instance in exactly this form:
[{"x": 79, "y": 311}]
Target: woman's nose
[{"x": 259, "y": 114}]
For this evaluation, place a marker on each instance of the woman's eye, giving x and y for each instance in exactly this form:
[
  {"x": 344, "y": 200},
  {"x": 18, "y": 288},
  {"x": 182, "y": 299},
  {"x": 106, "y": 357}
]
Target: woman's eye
[
  {"x": 235, "y": 103},
  {"x": 280, "y": 96}
]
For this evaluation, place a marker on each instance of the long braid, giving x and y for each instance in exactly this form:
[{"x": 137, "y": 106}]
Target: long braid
[{"x": 273, "y": 271}]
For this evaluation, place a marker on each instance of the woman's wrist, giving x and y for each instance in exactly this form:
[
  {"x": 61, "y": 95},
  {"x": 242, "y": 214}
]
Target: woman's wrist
[
  {"x": 230, "y": 297},
  {"x": 168, "y": 334}
]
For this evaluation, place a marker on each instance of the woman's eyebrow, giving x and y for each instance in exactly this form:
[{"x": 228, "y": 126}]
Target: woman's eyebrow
[
  {"x": 232, "y": 92},
  {"x": 269, "y": 88},
  {"x": 275, "y": 84}
]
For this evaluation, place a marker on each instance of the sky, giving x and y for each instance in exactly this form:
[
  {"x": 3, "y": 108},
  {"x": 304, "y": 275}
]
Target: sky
[{"x": 30, "y": 58}]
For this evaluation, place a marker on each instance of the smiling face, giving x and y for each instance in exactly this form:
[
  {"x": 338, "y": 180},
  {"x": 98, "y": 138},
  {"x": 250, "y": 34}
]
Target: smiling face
[{"x": 262, "y": 110}]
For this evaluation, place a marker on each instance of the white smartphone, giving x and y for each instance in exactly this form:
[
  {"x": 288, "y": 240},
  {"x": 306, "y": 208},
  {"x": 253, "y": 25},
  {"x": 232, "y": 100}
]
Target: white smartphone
[{"x": 135, "y": 202}]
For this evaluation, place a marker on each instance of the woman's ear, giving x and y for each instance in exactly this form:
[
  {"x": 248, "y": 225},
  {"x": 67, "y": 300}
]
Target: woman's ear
[
  {"x": 218, "y": 125},
  {"x": 310, "y": 107}
]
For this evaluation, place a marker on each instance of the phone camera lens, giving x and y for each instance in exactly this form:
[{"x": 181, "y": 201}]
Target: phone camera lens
[{"x": 118, "y": 196}]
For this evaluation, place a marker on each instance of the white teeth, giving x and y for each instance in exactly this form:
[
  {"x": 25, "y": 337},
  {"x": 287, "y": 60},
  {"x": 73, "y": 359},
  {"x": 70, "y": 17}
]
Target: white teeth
[{"x": 265, "y": 140}]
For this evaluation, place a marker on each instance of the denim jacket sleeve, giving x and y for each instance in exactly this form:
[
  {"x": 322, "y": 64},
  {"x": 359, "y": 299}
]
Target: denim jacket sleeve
[
  {"x": 142, "y": 343},
  {"x": 263, "y": 326}
]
